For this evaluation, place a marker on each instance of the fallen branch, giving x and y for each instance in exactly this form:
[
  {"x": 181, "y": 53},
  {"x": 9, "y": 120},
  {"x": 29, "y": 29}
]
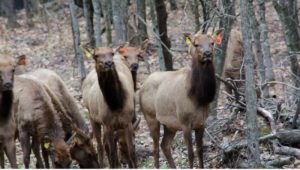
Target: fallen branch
[
  {"x": 285, "y": 150},
  {"x": 279, "y": 162}
]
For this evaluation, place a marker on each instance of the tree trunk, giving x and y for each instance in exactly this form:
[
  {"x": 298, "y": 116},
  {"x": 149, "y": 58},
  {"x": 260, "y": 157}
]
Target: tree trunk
[
  {"x": 258, "y": 51},
  {"x": 11, "y": 13},
  {"x": 31, "y": 8},
  {"x": 250, "y": 93},
  {"x": 220, "y": 50},
  {"x": 120, "y": 18},
  {"x": 194, "y": 7},
  {"x": 107, "y": 11},
  {"x": 265, "y": 42},
  {"x": 76, "y": 40},
  {"x": 142, "y": 27},
  {"x": 97, "y": 12},
  {"x": 88, "y": 15},
  {"x": 205, "y": 13},
  {"x": 173, "y": 5},
  {"x": 287, "y": 12},
  {"x": 162, "y": 16},
  {"x": 160, "y": 54}
]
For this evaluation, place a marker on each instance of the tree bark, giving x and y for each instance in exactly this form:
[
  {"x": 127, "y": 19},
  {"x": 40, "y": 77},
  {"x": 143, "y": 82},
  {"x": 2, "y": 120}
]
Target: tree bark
[
  {"x": 141, "y": 12},
  {"x": 173, "y": 5},
  {"x": 88, "y": 15},
  {"x": 162, "y": 16},
  {"x": 97, "y": 12},
  {"x": 220, "y": 50},
  {"x": 194, "y": 6},
  {"x": 31, "y": 8},
  {"x": 250, "y": 93},
  {"x": 76, "y": 40},
  {"x": 288, "y": 16},
  {"x": 11, "y": 13},
  {"x": 265, "y": 42},
  {"x": 205, "y": 13},
  {"x": 258, "y": 50},
  {"x": 120, "y": 18},
  {"x": 107, "y": 11}
]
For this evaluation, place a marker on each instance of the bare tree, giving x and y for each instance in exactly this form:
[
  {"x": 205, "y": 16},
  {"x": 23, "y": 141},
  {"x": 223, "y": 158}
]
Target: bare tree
[
  {"x": 107, "y": 11},
  {"x": 173, "y": 5},
  {"x": 142, "y": 27},
  {"x": 226, "y": 22},
  {"x": 76, "y": 40},
  {"x": 120, "y": 18},
  {"x": 162, "y": 15},
  {"x": 194, "y": 6},
  {"x": 11, "y": 13},
  {"x": 88, "y": 15},
  {"x": 250, "y": 93},
  {"x": 97, "y": 12},
  {"x": 31, "y": 8}
]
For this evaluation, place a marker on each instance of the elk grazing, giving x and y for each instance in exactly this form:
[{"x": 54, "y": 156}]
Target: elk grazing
[
  {"x": 108, "y": 93},
  {"x": 180, "y": 100},
  {"x": 36, "y": 117},
  {"x": 8, "y": 127},
  {"x": 81, "y": 147}
]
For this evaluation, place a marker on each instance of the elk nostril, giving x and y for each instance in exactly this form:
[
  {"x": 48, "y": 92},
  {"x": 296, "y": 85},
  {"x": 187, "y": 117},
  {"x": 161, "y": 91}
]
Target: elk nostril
[
  {"x": 7, "y": 86},
  {"x": 109, "y": 63},
  {"x": 134, "y": 66},
  {"x": 207, "y": 54}
]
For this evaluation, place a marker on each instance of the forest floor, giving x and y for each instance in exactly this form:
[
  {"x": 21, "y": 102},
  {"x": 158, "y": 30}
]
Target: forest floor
[{"x": 49, "y": 44}]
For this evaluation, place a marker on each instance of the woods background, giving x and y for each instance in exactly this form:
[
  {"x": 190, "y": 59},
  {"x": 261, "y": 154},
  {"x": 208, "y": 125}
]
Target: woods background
[{"x": 244, "y": 130}]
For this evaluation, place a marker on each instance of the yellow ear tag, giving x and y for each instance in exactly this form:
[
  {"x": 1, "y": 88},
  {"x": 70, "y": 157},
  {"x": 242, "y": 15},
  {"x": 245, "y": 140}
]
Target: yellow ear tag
[
  {"x": 187, "y": 41},
  {"x": 46, "y": 145},
  {"x": 86, "y": 52}
]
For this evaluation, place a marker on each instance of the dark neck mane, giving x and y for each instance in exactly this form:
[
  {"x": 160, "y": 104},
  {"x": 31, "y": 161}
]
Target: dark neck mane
[
  {"x": 202, "y": 83},
  {"x": 134, "y": 76},
  {"x": 6, "y": 101},
  {"x": 112, "y": 89}
]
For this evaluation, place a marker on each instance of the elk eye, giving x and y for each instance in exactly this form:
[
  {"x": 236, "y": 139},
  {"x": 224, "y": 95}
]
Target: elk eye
[
  {"x": 212, "y": 43},
  {"x": 125, "y": 56},
  {"x": 196, "y": 45},
  {"x": 112, "y": 54}
]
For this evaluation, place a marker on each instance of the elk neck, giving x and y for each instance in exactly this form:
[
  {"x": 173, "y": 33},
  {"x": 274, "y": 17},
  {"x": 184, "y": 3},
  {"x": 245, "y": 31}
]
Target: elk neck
[{"x": 6, "y": 102}]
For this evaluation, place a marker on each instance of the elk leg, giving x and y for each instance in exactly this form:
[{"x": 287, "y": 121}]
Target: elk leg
[
  {"x": 45, "y": 156},
  {"x": 166, "y": 144},
  {"x": 154, "y": 127},
  {"x": 1, "y": 157},
  {"x": 110, "y": 148},
  {"x": 189, "y": 143},
  {"x": 35, "y": 148},
  {"x": 10, "y": 150},
  {"x": 199, "y": 143},
  {"x": 130, "y": 147},
  {"x": 97, "y": 133},
  {"x": 25, "y": 145}
]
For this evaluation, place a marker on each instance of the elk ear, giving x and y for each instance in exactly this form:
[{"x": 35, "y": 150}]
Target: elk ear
[
  {"x": 187, "y": 38},
  {"x": 88, "y": 52},
  {"x": 22, "y": 60},
  {"x": 122, "y": 50},
  {"x": 217, "y": 36}
]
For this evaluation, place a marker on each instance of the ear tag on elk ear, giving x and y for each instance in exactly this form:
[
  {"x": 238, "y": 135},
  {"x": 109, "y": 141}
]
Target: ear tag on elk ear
[
  {"x": 86, "y": 52},
  {"x": 218, "y": 39},
  {"x": 46, "y": 145},
  {"x": 122, "y": 50},
  {"x": 187, "y": 41}
]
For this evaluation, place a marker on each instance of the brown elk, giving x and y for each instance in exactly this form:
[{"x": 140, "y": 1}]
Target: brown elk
[
  {"x": 81, "y": 147},
  {"x": 108, "y": 93},
  {"x": 180, "y": 100},
  {"x": 36, "y": 117},
  {"x": 8, "y": 127}
]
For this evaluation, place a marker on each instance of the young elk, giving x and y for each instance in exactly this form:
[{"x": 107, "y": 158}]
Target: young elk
[
  {"x": 36, "y": 117},
  {"x": 8, "y": 127},
  {"x": 81, "y": 147},
  {"x": 180, "y": 100},
  {"x": 108, "y": 93}
]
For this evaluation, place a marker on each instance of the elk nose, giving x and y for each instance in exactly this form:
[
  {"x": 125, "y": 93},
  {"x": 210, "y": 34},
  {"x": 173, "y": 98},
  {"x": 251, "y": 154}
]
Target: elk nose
[
  {"x": 134, "y": 66},
  {"x": 109, "y": 63},
  {"x": 207, "y": 54},
  {"x": 7, "y": 86}
]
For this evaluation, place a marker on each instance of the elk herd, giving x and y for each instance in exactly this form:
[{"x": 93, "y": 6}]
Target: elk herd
[{"x": 37, "y": 109}]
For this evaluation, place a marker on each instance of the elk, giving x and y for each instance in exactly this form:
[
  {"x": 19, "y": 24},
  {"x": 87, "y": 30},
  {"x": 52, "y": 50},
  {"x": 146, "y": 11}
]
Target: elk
[
  {"x": 108, "y": 93},
  {"x": 180, "y": 100},
  {"x": 36, "y": 117},
  {"x": 8, "y": 127},
  {"x": 81, "y": 147}
]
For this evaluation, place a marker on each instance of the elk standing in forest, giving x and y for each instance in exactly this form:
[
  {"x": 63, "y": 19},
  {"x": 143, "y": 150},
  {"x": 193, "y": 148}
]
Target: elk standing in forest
[
  {"x": 180, "y": 100},
  {"x": 81, "y": 149},
  {"x": 8, "y": 127},
  {"x": 36, "y": 117},
  {"x": 109, "y": 97}
]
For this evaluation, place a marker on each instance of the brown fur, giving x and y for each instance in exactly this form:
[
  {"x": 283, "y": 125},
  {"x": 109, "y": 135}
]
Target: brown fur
[
  {"x": 8, "y": 127},
  {"x": 84, "y": 153},
  {"x": 36, "y": 117},
  {"x": 180, "y": 101},
  {"x": 103, "y": 114}
]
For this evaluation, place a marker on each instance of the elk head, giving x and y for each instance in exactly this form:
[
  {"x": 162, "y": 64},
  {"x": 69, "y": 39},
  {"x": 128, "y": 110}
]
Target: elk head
[
  {"x": 103, "y": 57},
  {"x": 7, "y": 69}
]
